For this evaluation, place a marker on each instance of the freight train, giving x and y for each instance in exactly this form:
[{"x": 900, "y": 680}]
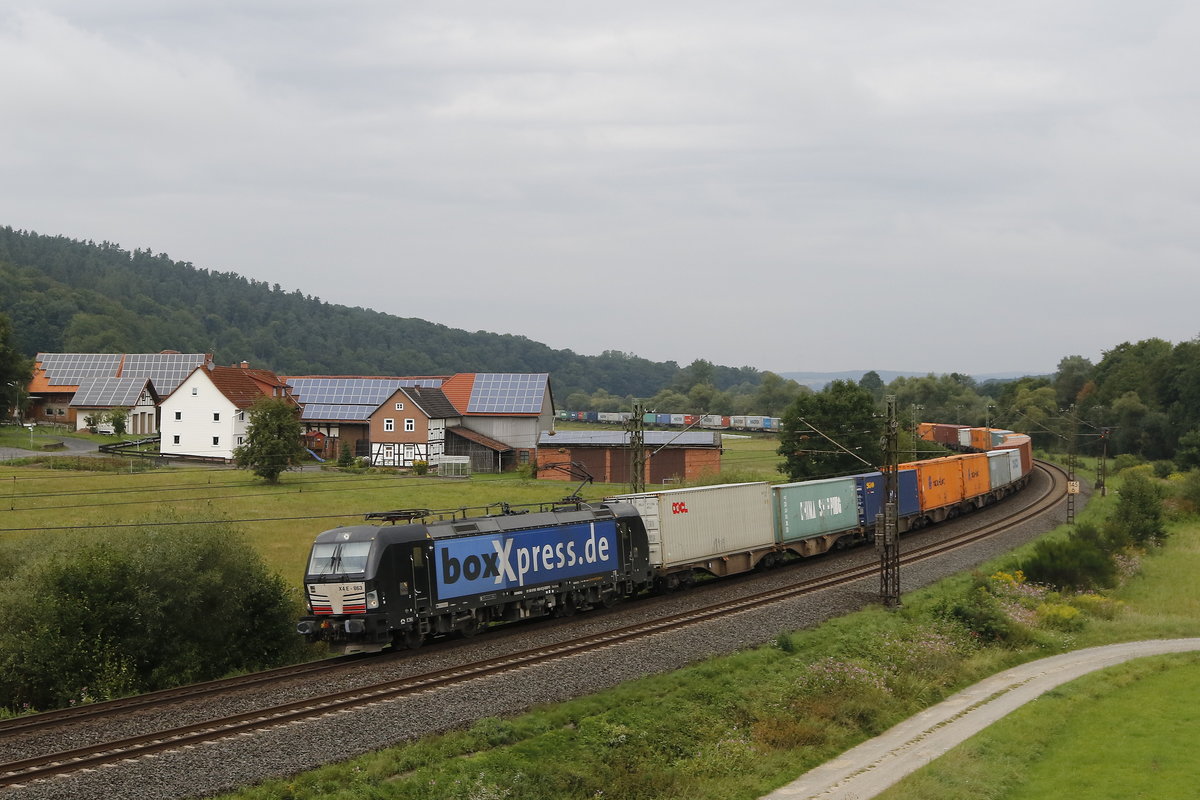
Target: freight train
[
  {"x": 371, "y": 586},
  {"x": 742, "y": 422}
]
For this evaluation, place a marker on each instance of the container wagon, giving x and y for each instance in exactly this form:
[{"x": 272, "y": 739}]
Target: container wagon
[{"x": 719, "y": 530}]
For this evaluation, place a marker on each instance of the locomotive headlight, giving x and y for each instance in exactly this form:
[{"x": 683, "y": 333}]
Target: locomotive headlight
[{"x": 373, "y": 599}]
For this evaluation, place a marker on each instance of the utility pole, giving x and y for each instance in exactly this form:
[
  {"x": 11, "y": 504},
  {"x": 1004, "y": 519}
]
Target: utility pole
[
  {"x": 1102, "y": 467},
  {"x": 887, "y": 540},
  {"x": 1072, "y": 483},
  {"x": 637, "y": 446}
]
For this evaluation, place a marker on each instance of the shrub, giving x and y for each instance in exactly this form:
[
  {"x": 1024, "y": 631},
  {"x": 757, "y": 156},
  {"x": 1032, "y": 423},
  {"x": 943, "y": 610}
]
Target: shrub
[
  {"x": 1126, "y": 461},
  {"x": 1095, "y": 605},
  {"x": 1072, "y": 563},
  {"x": 420, "y": 467},
  {"x": 1163, "y": 469},
  {"x": 981, "y": 614},
  {"x": 138, "y": 611},
  {"x": 1060, "y": 617}
]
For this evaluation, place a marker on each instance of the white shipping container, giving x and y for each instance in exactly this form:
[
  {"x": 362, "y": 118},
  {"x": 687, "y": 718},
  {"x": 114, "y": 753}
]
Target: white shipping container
[
  {"x": 688, "y": 525},
  {"x": 999, "y": 468},
  {"x": 964, "y": 437},
  {"x": 1014, "y": 458}
]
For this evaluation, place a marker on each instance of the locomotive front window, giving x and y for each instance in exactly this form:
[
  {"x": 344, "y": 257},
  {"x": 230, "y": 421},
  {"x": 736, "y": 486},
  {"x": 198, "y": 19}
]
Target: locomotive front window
[{"x": 339, "y": 558}]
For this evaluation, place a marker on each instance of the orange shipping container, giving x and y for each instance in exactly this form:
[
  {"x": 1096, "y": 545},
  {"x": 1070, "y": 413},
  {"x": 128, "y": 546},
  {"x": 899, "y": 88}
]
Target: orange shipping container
[
  {"x": 981, "y": 439},
  {"x": 975, "y": 474},
  {"x": 939, "y": 481},
  {"x": 925, "y": 431}
]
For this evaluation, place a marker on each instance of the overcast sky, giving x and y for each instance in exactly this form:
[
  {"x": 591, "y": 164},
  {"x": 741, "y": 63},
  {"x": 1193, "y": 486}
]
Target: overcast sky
[{"x": 932, "y": 186}]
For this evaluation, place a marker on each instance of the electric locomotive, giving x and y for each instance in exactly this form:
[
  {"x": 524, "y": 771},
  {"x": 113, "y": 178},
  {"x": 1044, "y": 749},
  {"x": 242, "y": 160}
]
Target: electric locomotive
[{"x": 370, "y": 586}]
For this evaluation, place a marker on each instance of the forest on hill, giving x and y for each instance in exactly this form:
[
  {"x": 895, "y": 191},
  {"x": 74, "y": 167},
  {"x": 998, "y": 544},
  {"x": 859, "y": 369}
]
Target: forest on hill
[{"x": 65, "y": 295}]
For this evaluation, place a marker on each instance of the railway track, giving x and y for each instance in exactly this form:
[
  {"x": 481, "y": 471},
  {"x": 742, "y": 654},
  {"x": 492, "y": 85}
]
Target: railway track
[{"x": 59, "y": 763}]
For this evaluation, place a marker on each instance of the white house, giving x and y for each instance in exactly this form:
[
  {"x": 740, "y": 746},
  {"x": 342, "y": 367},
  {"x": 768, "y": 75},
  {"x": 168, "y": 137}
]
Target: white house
[{"x": 207, "y": 414}]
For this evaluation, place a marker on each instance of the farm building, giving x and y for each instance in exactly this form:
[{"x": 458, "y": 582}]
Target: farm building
[{"x": 606, "y": 455}]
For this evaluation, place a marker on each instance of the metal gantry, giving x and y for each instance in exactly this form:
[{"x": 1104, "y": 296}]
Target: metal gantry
[{"x": 887, "y": 539}]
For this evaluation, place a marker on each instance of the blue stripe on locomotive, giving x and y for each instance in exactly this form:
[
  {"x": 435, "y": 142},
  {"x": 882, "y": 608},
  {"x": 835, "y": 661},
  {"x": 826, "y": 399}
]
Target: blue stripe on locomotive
[
  {"x": 870, "y": 488},
  {"x": 502, "y": 561}
]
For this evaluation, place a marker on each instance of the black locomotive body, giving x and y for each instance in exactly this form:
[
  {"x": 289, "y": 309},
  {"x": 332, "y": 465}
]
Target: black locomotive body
[{"x": 370, "y": 586}]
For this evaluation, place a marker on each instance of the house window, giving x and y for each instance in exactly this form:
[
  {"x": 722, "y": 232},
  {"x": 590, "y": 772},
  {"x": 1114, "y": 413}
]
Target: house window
[
  {"x": 216, "y": 416},
  {"x": 175, "y": 439},
  {"x": 178, "y": 415},
  {"x": 410, "y": 425},
  {"x": 389, "y": 425},
  {"x": 399, "y": 406},
  {"x": 195, "y": 391},
  {"x": 241, "y": 441},
  {"x": 241, "y": 416},
  {"x": 216, "y": 441}
]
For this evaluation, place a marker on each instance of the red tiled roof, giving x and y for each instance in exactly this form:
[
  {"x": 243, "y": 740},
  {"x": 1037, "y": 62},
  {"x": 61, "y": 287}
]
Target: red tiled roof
[
  {"x": 243, "y": 387},
  {"x": 458, "y": 390}
]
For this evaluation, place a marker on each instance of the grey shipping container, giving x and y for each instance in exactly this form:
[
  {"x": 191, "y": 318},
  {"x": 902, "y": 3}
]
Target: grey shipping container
[
  {"x": 999, "y": 468},
  {"x": 691, "y": 525},
  {"x": 813, "y": 508}
]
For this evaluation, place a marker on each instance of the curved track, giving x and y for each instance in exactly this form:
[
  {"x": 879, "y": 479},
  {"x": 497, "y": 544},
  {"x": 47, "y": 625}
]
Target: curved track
[{"x": 31, "y": 769}]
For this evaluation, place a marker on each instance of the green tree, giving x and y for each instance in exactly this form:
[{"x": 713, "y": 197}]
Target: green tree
[
  {"x": 345, "y": 456},
  {"x": 119, "y": 417},
  {"x": 119, "y": 613},
  {"x": 872, "y": 383},
  {"x": 1138, "y": 517},
  {"x": 14, "y": 371},
  {"x": 775, "y": 394},
  {"x": 273, "y": 440},
  {"x": 1187, "y": 456},
  {"x": 831, "y": 432},
  {"x": 1074, "y": 374}
]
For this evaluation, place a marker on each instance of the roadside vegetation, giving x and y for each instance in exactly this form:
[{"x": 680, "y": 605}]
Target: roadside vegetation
[{"x": 738, "y": 726}]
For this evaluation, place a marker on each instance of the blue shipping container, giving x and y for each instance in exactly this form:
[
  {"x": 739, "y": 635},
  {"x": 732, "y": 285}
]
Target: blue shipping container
[
  {"x": 504, "y": 561},
  {"x": 870, "y": 488}
]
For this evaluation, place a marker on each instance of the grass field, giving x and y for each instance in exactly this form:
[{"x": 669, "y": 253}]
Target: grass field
[
  {"x": 1125, "y": 732},
  {"x": 279, "y": 521}
]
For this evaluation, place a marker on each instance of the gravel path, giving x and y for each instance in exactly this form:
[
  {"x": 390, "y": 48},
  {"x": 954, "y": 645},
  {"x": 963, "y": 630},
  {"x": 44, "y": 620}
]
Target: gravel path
[
  {"x": 290, "y": 748},
  {"x": 875, "y": 765}
]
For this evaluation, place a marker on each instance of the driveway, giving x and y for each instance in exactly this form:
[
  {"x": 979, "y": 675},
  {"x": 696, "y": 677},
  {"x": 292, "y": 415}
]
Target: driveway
[
  {"x": 71, "y": 446},
  {"x": 874, "y": 765}
]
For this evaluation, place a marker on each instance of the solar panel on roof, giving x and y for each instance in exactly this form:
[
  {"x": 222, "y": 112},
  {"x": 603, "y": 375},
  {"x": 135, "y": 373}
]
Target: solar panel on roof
[
  {"x": 355, "y": 391},
  {"x": 336, "y": 411},
  {"x": 167, "y": 370},
  {"x": 68, "y": 369},
  {"x": 109, "y": 392},
  {"x": 507, "y": 393}
]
